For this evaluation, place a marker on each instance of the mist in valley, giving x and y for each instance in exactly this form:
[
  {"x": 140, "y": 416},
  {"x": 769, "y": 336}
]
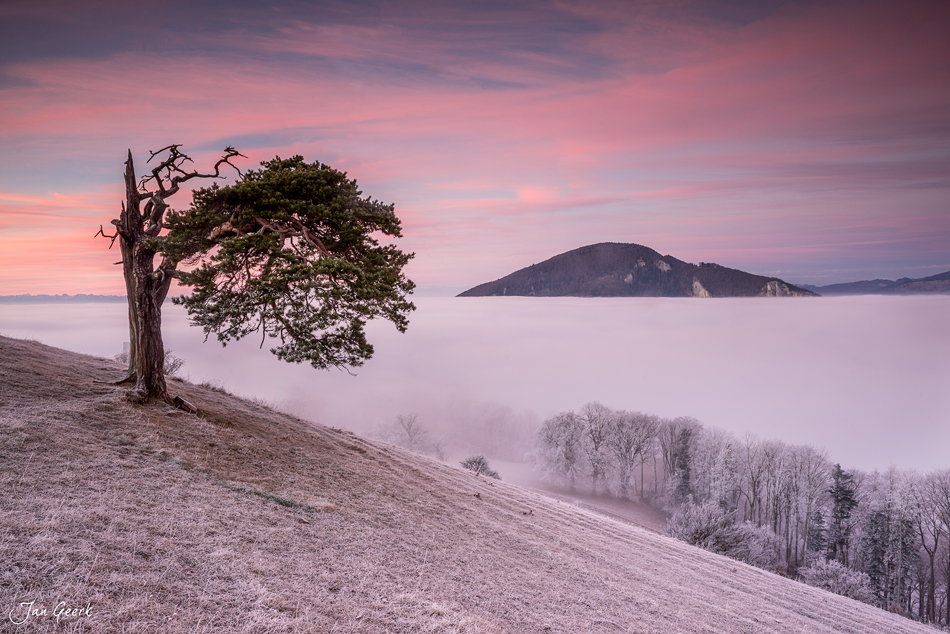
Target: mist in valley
[{"x": 863, "y": 377}]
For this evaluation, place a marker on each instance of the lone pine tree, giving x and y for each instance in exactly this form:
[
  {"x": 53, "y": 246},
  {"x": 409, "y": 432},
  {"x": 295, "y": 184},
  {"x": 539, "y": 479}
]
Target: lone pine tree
[{"x": 289, "y": 252}]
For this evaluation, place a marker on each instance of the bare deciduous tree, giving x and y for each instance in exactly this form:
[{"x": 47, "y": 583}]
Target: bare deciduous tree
[
  {"x": 407, "y": 432},
  {"x": 927, "y": 518},
  {"x": 596, "y": 432},
  {"x": 941, "y": 492},
  {"x": 558, "y": 450},
  {"x": 631, "y": 435}
]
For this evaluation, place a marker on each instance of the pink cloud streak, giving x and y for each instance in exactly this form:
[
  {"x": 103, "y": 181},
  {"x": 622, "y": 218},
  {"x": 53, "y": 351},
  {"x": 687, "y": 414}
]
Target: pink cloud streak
[{"x": 771, "y": 133}]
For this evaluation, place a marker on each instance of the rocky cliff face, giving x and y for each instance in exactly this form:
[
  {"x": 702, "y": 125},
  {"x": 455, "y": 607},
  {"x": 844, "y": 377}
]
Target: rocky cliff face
[{"x": 631, "y": 270}]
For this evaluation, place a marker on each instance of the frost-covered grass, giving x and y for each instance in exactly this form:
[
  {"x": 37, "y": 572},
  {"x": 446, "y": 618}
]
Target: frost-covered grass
[{"x": 249, "y": 520}]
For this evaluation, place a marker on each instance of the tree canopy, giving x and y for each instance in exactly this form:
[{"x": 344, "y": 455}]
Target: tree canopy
[{"x": 291, "y": 251}]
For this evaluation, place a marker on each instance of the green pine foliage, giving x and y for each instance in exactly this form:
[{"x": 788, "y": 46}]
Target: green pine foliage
[
  {"x": 816, "y": 541},
  {"x": 890, "y": 555},
  {"x": 843, "y": 501},
  {"x": 291, "y": 251},
  {"x": 681, "y": 476}
]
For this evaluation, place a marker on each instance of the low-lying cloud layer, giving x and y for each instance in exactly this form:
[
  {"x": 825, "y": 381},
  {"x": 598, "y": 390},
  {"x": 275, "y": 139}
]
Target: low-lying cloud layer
[{"x": 864, "y": 377}]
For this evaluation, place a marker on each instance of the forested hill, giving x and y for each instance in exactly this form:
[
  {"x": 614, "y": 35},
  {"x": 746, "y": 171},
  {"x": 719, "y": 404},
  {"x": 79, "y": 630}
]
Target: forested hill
[{"x": 611, "y": 269}]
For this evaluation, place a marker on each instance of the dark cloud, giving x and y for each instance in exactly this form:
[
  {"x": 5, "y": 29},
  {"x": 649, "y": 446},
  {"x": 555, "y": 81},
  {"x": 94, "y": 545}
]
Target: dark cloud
[
  {"x": 272, "y": 138},
  {"x": 12, "y": 81},
  {"x": 550, "y": 38}
]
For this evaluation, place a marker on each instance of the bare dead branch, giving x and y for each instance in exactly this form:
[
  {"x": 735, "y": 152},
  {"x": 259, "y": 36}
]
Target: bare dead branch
[
  {"x": 103, "y": 234},
  {"x": 173, "y": 148},
  {"x": 173, "y": 165}
]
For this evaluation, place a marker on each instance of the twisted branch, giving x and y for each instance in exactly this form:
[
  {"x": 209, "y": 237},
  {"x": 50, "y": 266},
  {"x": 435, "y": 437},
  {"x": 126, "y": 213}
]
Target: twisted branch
[
  {"x": 172, "y": 165},
  {"x": 103, "y": 234}
]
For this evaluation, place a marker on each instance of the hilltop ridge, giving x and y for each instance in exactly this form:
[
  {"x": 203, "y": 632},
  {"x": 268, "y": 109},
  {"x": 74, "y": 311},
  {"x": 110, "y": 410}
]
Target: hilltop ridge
[
  {"x": 931, "y": 285},
  {"x": 611, "y": 269},
  {"x": 244, "y": 519}
]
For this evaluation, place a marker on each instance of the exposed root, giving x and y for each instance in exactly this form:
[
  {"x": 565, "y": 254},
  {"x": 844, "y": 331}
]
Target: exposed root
[
  {"x": 137, "y": 395},
  {"x": 131, "y": 378}
]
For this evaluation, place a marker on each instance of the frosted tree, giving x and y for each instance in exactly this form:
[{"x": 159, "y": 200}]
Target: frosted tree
[
  {"x": 596, "y": 423},
  {"x": 559, "y": 453},
  {"x": 683, "y": 471},
  {"x": 675, "y": 436},
  {"x": 926, "y": 516},
  {"x": 777, "y": 481},
  {"x": 843, "y": 501},
  {"x": 715, "y": 470},
  {"x": 941, "y": 495},
  {"x": 838, "y": 578},
  {"x": 630, "y": 437},
  {"x": 815, "y": 539},
  {"x": 889, "y": 546},
  {"x": 479, "y": 464},
  {"x": 407, "y": 432},
  {"x": 813, "y": 468},
  {"x": 752, "y": 482}
]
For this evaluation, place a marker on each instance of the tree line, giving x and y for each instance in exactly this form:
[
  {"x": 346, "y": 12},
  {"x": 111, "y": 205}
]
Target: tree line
[{"x": 879, "y": 537}]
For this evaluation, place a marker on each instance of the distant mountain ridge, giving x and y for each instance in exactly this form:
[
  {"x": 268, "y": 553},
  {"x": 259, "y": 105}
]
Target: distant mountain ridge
[
  {"x": 612, "y": 269},
  {"x": 935, "y": 284},
  {"x": 50, "y": 299}
]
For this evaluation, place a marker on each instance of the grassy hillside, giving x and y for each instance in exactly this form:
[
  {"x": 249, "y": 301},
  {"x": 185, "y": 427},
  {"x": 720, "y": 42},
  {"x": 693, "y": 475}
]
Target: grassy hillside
[{"x": 247, "y": 520}]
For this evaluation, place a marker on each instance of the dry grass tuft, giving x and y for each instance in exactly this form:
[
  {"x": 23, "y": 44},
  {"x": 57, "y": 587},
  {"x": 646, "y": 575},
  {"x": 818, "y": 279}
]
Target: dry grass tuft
[{"x": 249, "y": 520}]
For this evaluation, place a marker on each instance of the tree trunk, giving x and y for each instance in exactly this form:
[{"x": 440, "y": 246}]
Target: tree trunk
[
  {"x": 947, "y": 587},
  {"x": 641, "y": 477},
  {"x": 932, "y": 591},
  {"x": 145, "y": 295}
]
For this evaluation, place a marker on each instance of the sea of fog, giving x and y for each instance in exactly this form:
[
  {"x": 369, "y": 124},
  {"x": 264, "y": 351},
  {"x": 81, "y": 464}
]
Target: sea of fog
[{"x": 868, "y": 378}]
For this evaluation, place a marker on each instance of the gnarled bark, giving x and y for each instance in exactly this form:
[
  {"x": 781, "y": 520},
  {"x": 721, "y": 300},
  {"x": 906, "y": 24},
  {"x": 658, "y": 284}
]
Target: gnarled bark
[
  {"x": 146, "y": 287},
  {"x": 145, "y": 296}
]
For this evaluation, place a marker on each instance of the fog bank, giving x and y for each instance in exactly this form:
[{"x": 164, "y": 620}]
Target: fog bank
[{"x": 864, "y": 377}]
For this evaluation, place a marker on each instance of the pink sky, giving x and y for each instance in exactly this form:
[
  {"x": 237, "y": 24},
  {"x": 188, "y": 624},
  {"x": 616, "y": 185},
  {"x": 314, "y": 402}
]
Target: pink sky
[{"x": 805, "y": 140}]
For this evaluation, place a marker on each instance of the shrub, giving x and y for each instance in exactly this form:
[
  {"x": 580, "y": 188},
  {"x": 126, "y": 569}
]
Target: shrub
[
  {"x": 757, "y": 546},
  {"x": 836, "y": 577},
  {"x": 479, "y": 465},
  {"x": 714, "y": 529}
]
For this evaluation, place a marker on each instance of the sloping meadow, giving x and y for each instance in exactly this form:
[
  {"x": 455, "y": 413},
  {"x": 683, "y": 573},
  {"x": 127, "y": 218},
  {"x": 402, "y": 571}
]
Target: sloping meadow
[{"x": 143, "y": 518}]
